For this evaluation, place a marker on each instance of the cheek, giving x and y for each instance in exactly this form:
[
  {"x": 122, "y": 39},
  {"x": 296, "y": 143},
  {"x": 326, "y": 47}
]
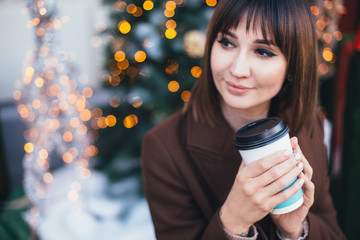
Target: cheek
[
  {"x": 272, "y": 75},
  {"x": 218, "y": 61}
]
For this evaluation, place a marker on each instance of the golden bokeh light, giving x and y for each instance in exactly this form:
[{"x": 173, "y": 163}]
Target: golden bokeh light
[
  {"x": 320, "y": 24},
  {"x": 196, "y": 71},
  {"x": 110, "y": 120},
  {"x": 170, "y": 5},
  {"x": 173, "y": 86},
  {"x": 170, "y": 33},
  {"x": 323, "y": 68},
  {"x": 148, "y": 5},
  {"x": 83, "y": 163},
  {"x": 115, "y": 81},
  {"x": 36, "y": 21},
  {"x": 123, "y": 64},
  {"x": 92, "y": 150},
  {"x": 338, "y": 35},
  {"x": 29, "y": 147},
  {"x": 97, "y": 112},
  {"x": 138, "y": 12},
  {"x": 29, "y": 71},
  {"x": 327, "y": 37},
  {"x": 80, "y": 105},
  {"x": 68, "y": 157},
  {"x": 17, "y": 95},
  {"x": 131, "y": 8},
  {"x": 23, "y": 111},
  {"x": 327, "y": 54},
  {"x": 40, "y": 31},
  {"x": 57, "y": 23},
  {"x": 42, "y": 11},
  {"x": 67, "y": 136},
  {"x": 41, "y": 162},
  {"x": 82, "y": 129},
  {"x": 87, "y": 92},
  {"x": 36, "y": 103},
  {"x": 171, "y": 24},
  {"x": 85, "y": 173},
  {"x": 43, "y": 153},
  {"x": 140, "y": 56},
  {"x": 124, "y": 27},
  {"x": 314, "y": 10},
  {"x": 85, "y": 115},
  {"x": 130, "y": 121},
  {"x": 48, "y": 177},
  {"x": 64, "y": 80},
  {"x": 211, "y": 3},
  {"x": 169, "y": 13},
  {"x": 136, "y": 102},
  {"x": 119, "y": 56},
  {"x": 101, "y": 122},
  {"x": 328, "y": 4},
  {"x": 39, "y": 82},
  {"x": 185, "y": 95}
]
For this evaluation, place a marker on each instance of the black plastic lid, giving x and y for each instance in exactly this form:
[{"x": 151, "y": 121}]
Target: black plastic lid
[{"x": 260, "y": 133}]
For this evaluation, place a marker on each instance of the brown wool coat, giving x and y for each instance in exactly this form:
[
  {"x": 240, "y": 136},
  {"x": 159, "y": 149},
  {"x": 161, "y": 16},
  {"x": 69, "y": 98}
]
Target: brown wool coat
[{"x": 188, "y": 171}]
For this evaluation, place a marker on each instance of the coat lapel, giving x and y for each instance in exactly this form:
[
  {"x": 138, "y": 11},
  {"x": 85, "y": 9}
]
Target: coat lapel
[{"x": 213, "y": 153}]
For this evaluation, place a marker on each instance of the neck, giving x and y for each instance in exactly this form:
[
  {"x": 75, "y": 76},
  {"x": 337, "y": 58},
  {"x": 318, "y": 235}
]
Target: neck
[{"x": 238, "y": 119}]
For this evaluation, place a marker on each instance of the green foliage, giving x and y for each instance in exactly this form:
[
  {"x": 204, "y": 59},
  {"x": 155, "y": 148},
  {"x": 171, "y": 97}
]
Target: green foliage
[
  {"x": 146, "y": 83},
  {"x": 12, "y": 224}
]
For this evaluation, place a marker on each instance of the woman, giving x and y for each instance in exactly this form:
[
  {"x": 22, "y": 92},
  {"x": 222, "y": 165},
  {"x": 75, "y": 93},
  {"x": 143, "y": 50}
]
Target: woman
[{"x": 260, "y": 61}]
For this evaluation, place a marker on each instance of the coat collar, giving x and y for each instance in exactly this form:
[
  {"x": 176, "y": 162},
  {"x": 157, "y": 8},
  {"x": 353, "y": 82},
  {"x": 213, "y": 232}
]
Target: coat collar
[{"x": 203, "y": 137}]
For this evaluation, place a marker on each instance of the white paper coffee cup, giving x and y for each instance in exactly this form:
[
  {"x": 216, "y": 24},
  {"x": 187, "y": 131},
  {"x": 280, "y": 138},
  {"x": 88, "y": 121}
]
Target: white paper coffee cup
[{"x": 262, "y": 138}]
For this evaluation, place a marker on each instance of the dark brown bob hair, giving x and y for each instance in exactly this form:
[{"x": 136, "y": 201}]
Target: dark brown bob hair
[{"x": 289, "y": 24}]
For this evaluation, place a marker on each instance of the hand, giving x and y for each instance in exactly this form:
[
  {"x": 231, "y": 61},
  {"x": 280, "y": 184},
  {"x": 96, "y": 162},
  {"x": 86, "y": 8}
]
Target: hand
[
  {"x": 291, "y": 224},
  {"x": 257, "y": 190}
]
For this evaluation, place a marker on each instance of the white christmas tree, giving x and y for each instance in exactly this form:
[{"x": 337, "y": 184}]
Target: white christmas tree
[{"x": 68, "y": 198}]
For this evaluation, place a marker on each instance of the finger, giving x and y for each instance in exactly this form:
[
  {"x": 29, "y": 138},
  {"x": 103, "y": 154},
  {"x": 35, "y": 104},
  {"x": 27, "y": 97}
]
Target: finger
[
  {"x": 308, "y": 171},
  {"x": 294, "y": 142},
  {"x": 284, "y": 181},
  {"x": 284, "y": 195},
  {"x": 309, "y": 190},
  {"x": 277, "y": 171},
  {"x": 262, "y": 165}
]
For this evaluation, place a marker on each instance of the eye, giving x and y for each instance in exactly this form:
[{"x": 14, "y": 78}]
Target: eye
[
  {"x": 265, "y": 53},
  {"x": 226, "y": 43}
]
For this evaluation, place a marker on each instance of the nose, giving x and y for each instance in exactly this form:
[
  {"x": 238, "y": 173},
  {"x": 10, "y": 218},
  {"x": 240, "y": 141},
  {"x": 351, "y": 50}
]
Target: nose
[{"x": 240, "y": 66}]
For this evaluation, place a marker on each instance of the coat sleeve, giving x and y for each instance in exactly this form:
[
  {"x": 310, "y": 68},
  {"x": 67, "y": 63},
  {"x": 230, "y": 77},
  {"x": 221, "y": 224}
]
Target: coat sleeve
[
  {"x": 322, "y": 216},
  {"x": 174, "y": 212}
]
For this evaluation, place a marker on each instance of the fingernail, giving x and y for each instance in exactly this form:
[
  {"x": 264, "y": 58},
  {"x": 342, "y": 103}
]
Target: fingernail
[
  {"x": 296, "y": 140},
  {"x": 298, "y": 156},
  {"x": 301, "y": 181},
  {"x": 300, "y": 165},
  {"x": 287, "y": 153}
]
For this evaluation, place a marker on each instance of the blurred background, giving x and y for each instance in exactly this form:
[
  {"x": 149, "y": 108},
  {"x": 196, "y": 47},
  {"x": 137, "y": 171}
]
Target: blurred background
[{"x": 81, "y": 81}]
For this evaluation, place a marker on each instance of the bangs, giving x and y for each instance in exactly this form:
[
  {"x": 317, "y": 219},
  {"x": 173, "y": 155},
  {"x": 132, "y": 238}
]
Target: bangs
[{"x": 266, "y": 14}]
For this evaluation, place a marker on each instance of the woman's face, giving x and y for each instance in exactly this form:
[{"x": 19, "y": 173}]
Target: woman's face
[{"x": 247, "y": 71}]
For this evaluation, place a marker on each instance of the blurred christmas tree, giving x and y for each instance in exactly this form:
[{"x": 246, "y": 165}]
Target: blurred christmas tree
[{"x": 153, "y": 60}]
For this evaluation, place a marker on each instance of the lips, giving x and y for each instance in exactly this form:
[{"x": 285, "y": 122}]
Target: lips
[{"x": 237, "y": 89}]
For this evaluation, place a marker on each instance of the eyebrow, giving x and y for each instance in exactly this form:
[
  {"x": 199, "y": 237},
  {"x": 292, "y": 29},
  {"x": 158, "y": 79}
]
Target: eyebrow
[
  {"x": 264, "y": 41},
  {"x": 259, "y": 41}
]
